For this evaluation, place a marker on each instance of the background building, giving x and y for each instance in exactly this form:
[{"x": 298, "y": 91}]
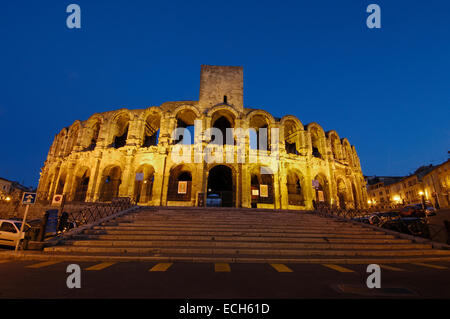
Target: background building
[
  {"x": 128, "y": 153},
  {"x": 428, "y": 183}
]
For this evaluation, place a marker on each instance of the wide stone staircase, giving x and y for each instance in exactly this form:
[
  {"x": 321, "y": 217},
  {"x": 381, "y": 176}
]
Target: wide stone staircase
[{"x": 240, "y": 235}]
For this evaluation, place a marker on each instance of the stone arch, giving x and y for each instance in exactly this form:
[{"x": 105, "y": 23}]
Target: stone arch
[
  {"x": 91, "y": 132},
  {"x": 60, "y": 141},
  {"x": 322, "y": 189},
  {"x": 81, "y": 183},
  {"x": 355, "y": 196},
  {"x": 152, "y": 125},
  {"x": 224, "y": 118},
  {"x": 185, "y": 117},
  {"x": 259, "y": 122},
  {"x": 143, "y": 183},
  {"x": 296, "y": 187},
  {"x": 61, "y": 183},
  {"x": 180, "y": 183},
  {"x": 72, "y": 137},
  {"x": 223, "y": 110},
  {"x": 317, "y": 135},
  {"x": 291, "y": 131},
  {"x": 335, "y": 144},
  {"x": 111, "y": 179},
  {"x": 222, "y": 181},
  {"x": 119, "y": 127},
  {"x": 262, "y": 185},
  {"x": 347, "y": 151},
  {"x": 342, "y": 193}
]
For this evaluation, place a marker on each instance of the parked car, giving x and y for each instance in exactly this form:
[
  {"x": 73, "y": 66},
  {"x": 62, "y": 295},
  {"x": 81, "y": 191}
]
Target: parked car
[
  {"x": 10, "y": 231},
  {"x": 413, "y": 211},
  {"x": 213, "y": 200}
]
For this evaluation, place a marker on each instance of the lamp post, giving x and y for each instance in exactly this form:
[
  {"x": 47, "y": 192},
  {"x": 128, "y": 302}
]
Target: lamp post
[{"x": 421, "y": 193}]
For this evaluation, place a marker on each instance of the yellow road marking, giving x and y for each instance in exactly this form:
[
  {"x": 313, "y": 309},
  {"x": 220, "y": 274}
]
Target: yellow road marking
[
  {"x": 391, "y": 268},
  {"x": 430, "y": 266},
  {"x": 222, "y": 267},
  {"x": 281, "y": 268},
  {"x": 100, "y": 266},
  {"x": 337, "y": 268},
  {"x": 44, "y": 264},
  {"x": 161, "y": 267}
]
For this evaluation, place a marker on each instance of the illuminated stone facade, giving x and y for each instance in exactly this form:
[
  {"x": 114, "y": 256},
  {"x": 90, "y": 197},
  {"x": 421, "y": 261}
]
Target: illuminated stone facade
[{"x": 129, "y": 153}]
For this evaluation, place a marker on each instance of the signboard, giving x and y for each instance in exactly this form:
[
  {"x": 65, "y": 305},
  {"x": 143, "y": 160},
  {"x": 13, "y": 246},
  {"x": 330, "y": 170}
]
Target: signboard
[
  {"x": 320, "y": 196},
  {"x": 29, "y": 198},
  {"x": 57, "y": 200},
  {"x": 255, "y": 192},
  {"x": 139, "y": 176},
  {"x": 182, "y": 187},
  {"x": 264, "y": 190},
  {"x": 52, "y": 221}
]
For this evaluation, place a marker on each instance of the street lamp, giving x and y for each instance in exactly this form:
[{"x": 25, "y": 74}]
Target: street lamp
[{"x": 421, "y": 193}]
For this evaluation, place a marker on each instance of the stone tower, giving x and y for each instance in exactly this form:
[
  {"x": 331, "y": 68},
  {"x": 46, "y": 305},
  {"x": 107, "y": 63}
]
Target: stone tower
[{"x": 221, "y": 85}]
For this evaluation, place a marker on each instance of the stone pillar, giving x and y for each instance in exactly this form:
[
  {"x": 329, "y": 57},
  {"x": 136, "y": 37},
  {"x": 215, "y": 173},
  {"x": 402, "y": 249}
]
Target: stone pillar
[{"x": 126, "y": 187}]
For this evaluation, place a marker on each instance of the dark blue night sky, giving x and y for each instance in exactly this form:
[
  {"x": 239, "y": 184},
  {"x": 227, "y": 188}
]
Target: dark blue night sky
[{"x": 386, "y": 90}]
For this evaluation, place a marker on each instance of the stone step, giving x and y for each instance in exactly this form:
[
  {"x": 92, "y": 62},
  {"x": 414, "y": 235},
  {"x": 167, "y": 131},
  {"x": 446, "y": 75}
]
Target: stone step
[
  {"x": 230, "y": 224},
  {"x": 361, "y": 234},
  {"x": 246, "y": 238},
  {"x": 138, "y": 226},
  {"x": 157, "y": 251},
  {"x": 322, "y": 232},
  {"x": 247, "y": 244}
]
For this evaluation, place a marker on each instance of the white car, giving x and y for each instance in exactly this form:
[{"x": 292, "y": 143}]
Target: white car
[{"x": 10, "y": 231}]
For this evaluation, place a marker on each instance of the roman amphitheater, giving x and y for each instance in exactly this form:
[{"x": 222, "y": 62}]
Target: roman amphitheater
[{"x": 134, "y": 153}]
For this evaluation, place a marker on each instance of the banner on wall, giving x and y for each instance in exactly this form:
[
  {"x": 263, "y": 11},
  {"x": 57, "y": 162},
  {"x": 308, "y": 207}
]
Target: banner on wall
[{"x": 182, "y": 187}]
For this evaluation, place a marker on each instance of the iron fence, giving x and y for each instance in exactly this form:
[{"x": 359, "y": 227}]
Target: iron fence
[{"x": 92, "y": 212}]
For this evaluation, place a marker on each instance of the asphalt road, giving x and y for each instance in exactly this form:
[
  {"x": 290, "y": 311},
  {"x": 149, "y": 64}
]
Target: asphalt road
[{"x": 229, "y": 281}]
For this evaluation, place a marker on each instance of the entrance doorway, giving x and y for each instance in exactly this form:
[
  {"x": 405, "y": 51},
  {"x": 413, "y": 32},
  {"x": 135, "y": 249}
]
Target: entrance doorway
[{"x": 220, "y": 182}]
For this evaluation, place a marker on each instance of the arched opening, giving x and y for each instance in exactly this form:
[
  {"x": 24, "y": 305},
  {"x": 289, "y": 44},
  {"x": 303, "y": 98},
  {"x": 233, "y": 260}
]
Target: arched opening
[
  {"x": 61, "y": 183},
  {"x": 120, "y": 130},
  {"x": 151, "y": 130},
  {"x": 261, "y": 179},
  {"x": 259, "y": 133},
  {"x": 93, "y": 133},
  {"x": 335, "y": 143},
  {"x": 320, "y": 184},
  {"x": 81, "y": 185},
  {"x": 223, "y": 123},
  {"x": 143, "y": 184},
  {"x": 72, "y": 139},
  {"x": 315, "y": 143},
  {"x": 295, "y": 189},
  {"x": 220, "y": 182},
  {"x": 186, "y": 120},
  {"x": 342, "y": 194},
  {"x": 291, "y": 137},
  {"x": 180, "y": 184},
  {"x": 111, "y": 180},
  {"x": 59, "y": 142}
]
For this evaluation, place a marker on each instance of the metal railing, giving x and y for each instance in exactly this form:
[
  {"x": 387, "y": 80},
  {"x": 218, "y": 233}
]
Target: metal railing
[
  {"x": 96, "y": 211},
  {"x": 434, "y": 232}
]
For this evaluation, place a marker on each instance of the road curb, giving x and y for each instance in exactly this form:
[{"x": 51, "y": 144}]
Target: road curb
[{"x": 365, "y": 261}]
